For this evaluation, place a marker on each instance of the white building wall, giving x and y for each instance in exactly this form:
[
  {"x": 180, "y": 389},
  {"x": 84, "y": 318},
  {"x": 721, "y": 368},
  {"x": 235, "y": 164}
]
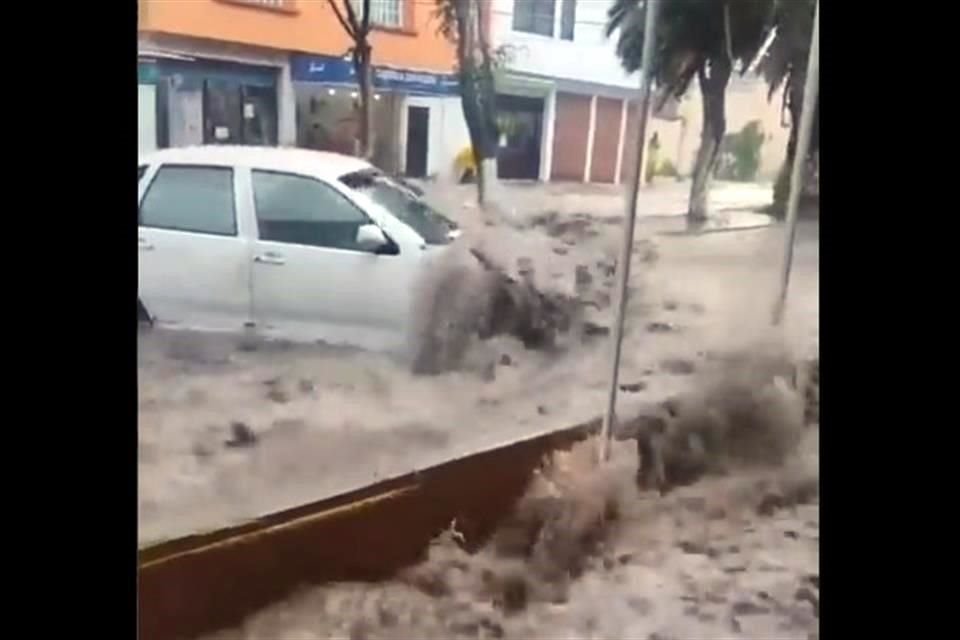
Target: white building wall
[
  {"x": 447, "y": 134},
  {"x": 589, "y": 57}
]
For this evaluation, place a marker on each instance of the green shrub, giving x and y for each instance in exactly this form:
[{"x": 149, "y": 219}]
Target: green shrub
[
  {"x": 740, "y": 154},
  {"x": 746, "y": 151},
  {"x": 667, "y": 170}
]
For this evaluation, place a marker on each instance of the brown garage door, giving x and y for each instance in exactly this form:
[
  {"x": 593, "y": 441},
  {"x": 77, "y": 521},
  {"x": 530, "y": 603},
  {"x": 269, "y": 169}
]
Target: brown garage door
[
  {"x": 606, "y": 138},
  {"x": 570, "y": 137},
  {"x": 629, "y": 143}
]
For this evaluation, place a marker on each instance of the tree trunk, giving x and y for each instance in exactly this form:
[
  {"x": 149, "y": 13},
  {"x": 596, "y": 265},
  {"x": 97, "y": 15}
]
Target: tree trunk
[
  {"x": 361, "y": 64},
  {"x": 781, "y": 189},
  {"x": 713, "y": 89},
  {"x": 478, "y": 94}
]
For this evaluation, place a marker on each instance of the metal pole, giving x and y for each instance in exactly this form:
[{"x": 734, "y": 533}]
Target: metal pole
[
  {"x": 623, "y": 270},
  {"x": 810, "y": 90}
]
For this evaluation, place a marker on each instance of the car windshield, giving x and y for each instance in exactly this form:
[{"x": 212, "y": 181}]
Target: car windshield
[{"x": 404, "y": 204}]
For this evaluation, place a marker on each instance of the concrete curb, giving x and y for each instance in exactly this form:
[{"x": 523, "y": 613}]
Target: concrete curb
[{"x": 205, "y": 582}]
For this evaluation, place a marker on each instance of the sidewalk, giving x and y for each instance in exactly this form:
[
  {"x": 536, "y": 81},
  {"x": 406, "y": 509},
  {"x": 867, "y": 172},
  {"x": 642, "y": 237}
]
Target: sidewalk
[{"x": 732, "y": 205}]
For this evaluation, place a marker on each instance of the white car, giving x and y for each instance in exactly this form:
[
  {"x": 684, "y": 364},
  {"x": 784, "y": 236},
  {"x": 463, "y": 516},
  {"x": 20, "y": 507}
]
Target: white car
[{"x": 304, "y": 245}]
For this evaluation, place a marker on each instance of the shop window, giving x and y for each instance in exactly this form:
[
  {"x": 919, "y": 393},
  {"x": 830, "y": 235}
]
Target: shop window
[
  {"x": 299, "y": 210},
  {"x": 235, "y": 113},
  {"x": 259, "y": 115},
  {"x": 192, "y": 199},
  {"x": 534, "y": 16}
]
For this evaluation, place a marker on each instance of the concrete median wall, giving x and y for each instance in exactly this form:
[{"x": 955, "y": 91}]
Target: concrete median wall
[{"x": 210, "y": 581}]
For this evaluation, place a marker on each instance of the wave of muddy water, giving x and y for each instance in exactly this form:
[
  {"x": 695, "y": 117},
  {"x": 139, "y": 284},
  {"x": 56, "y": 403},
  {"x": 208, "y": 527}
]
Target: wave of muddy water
[
  {"x": 320, "y": 421},
  {"x": 586, "y": 555}
]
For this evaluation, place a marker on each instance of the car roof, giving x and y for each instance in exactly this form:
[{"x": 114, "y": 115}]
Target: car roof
[{"x": 324, "y": 164}]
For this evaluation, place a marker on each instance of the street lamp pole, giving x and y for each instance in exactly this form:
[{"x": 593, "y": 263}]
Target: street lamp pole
[{"x": 623, "y": 267}]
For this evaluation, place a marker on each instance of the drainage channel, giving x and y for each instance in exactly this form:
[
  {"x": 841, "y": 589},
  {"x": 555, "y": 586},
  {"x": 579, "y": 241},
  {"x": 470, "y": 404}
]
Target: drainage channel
[{"x": 206, "y": 582}]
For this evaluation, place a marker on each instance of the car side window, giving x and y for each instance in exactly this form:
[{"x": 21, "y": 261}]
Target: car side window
[
  {"x": 190, "y": 198},
  {"x": 300, "y": 210}
]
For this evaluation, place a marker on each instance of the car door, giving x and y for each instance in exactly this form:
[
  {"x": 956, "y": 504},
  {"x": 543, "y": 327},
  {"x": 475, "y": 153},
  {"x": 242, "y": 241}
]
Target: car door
[
  {"x": 311, "y": 280},
  {"x": 194, "y": 263}
]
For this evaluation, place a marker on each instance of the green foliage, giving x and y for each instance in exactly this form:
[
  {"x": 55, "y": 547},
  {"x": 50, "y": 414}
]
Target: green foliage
[
  {"x": 809, "y": 192},
  {"x": 667, "y": 169},
  {"x": 740, "y": 154},
  {"x": 691, "y": 36},
  {"x": 785, "y": 63},
  {"x": 746, "y": 151}
]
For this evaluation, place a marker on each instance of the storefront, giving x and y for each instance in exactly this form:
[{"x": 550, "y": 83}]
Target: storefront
[
  {"x": 418, "y": 125},
  {"x": 204, "y": 92},
  {"x": 209, "y": 102},
  {"x": 524, "y": 114}
]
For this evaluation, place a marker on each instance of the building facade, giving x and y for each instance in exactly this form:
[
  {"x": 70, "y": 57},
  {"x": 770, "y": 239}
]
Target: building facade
[
  {"x": 568, "y": 109},
  {"x": 275, "y": 72}
]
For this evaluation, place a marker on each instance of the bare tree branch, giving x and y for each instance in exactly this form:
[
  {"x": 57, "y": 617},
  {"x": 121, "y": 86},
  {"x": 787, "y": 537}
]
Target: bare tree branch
[
  {"x": 365, "y": 19},
  {"x": 343, "y": 22},
  {"x": 352, "y": 16}
]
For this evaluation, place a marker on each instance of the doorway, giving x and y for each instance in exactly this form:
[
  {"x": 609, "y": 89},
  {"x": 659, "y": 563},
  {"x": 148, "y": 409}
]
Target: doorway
[
  {"x": 418, "y": 131},
  {"x": 520, "y": 119},
  {"x": 238, "y": 113}
]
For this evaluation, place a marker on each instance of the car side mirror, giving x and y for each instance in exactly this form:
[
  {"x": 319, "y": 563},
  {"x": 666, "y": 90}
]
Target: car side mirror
[{"x": 371, "y": 238}]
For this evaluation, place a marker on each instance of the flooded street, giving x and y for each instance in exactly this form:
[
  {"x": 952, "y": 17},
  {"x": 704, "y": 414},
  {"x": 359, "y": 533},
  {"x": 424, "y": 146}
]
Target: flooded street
[{"x": 227, "y": 434}]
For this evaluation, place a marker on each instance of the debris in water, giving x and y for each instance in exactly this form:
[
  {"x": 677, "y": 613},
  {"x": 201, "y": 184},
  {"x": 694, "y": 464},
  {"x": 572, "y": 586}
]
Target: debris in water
[
  {"x": 591, "y": 329},
  {"x": 607, "y": 268},
  {"x": 582, "y": 277},
  {"x": 660, "y": 327},
  {"x": 202, "y": 451},
  {"x": 678, "y": 366},
  {"x": 278, "y": 395},
  {"x": 241, "y": 435}
]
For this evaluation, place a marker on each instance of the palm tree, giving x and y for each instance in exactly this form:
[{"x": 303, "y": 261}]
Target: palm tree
[
  {"x": 702, "y": 39},
  {"x": 785, "y": 65}
]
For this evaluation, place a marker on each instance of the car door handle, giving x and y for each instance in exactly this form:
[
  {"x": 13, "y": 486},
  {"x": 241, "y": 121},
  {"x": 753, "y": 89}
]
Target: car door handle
[
  {"x": 144, "y": 244},
  {"x": 270, "y": 258}
]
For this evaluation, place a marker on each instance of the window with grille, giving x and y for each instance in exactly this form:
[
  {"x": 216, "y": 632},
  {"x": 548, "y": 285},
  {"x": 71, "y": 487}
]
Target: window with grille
[
  {"x": 534, "y": 16},
  {"x": 383, "y": 13}
]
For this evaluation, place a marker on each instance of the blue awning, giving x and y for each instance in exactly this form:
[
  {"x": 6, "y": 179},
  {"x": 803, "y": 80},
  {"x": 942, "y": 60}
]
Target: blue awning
[{"x": 337, "y": 71}]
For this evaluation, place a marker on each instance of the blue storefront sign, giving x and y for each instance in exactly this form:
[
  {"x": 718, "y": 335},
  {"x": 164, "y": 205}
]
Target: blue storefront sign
[{"x": 330, "y": 70}]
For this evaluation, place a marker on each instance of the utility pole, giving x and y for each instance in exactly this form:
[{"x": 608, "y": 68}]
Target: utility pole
[
  {"x": 623, "y": 267},
  {"x": 810, "y": 91}
]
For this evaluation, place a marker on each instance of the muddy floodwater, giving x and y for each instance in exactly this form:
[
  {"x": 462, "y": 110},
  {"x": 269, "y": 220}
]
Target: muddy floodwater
[
  {"x": 227, "y": 433},
  {"x": 733, "y": 557}
]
